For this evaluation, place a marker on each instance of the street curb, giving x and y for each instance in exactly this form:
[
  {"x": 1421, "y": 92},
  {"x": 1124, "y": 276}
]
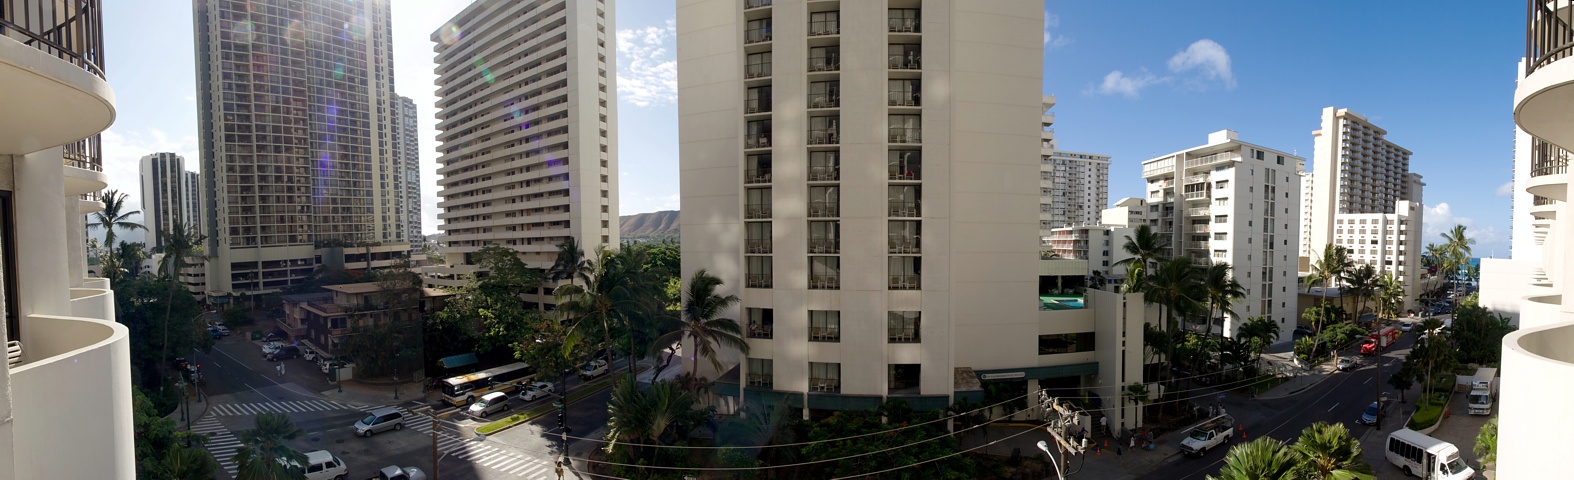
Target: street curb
[
  {"x": 606, "y": 385},
  {"x": 1298, "y": 390}
]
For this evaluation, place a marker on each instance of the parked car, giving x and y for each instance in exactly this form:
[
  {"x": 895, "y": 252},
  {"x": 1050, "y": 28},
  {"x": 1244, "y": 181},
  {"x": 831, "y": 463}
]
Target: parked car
[
  {"x": 379, "y": 420},
  {"x": 1303, "y": 330},
  {"x": 308, "y": 354},
  {"x": 274, "y": 335},
  {"x": 1347, "y": 364},
  {"x": 393, "y": 472},
  {"x": 593, "y": 369},
  {"x": 536, "y": 390},
  {"x": 1369, "y": 416},
  {"x": 215, "y": 333},
  {"x": 488, "y": 404},
  {"x": 320, "y": 465},
  {"x": 285, "y": 352},
  {"x": 1406, "y": 326},
  {"x": 222, "y": 329},
  {"x": 270, "y": 347}
]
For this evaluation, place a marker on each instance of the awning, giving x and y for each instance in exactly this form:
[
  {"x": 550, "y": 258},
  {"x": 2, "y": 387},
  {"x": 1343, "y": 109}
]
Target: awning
[{"x": 457, "y": 361}]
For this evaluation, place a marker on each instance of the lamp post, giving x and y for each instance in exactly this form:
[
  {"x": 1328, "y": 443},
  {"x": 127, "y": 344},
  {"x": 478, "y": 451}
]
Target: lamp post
[{"x": 1043, "y": 445}]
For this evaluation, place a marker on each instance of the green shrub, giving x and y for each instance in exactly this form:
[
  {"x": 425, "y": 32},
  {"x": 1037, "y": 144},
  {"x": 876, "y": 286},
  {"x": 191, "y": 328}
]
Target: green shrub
[{"x": 1426, "y": 416}]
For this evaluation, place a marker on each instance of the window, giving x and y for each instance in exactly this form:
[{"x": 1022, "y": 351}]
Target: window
[
  {"x": 825, "y": 94},
  {"x": 757, "y": 100},
  {"x": 1221, "y": 184},
  {"x": 825, "y": 377},
  {"x": 757, "y": 237},
  {"x": 758, "y": 169},
  {"x": 825, "y": 237},
  {"x": 904, "y": 200},
  {"x": 761, "y": 323},
  {"x": 1065, "y": 343},
  {"x": 904, "y": 273},
  {"x": 761, "y": 372},
  {"x": 825, "y": 59},
  {"x": 903, "y": 327},
  {"x": 904, "y": 56},
  {"x": 825, "y": 166},
  {"x": 758, "y": 272},
  {"x": 825, "y": 273},
  {"x": 904, "y": 129},
  {"x": 824, "y": 23},
  {"x": 336, "y": 323},
  {"x": 757, "y": 203},
  {"x": 824, "y": 202},
  {"x": 757, "y": 65},
  {"x": 903, "y": 92},
  {"x": 1221, "y": 218},
  {"x": 823, "y": 130},
  {"x": 904, "y": 165},
  {"x": 825, "y": 326},
  {"x": 904, "y": 236}
]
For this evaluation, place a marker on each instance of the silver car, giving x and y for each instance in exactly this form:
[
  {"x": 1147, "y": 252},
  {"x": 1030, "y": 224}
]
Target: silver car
[{"x": 379, "y": 420}]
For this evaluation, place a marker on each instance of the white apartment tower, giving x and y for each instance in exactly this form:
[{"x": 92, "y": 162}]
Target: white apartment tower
[
  {"x": 1364, "y": 198},
  {"x": 860, "y": 174},
  {"x": 527, "y": 142},
  {"x": 68, "y": 367},
  {"x": 1073, "y": 186},
  {"x": 169, "y": 194},
  {"x": 407, "y": 152},
  {"x": 294, "y": 103},
  {"x": 1232, "y": 201}
]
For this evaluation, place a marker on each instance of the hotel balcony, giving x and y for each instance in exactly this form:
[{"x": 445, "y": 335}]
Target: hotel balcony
[
  {"x": 1549, "y": 166},
  {"x": 1543, "y": 97},
  {"x": 1543, "y": 208},
  {"x": 1537, "y": 361}
]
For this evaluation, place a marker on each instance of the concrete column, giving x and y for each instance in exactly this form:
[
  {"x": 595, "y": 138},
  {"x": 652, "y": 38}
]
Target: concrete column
[
  {"x": 76, "y": 242},
  {"x": 42, "y": 260},
  {"x": 7, "y": 444}
]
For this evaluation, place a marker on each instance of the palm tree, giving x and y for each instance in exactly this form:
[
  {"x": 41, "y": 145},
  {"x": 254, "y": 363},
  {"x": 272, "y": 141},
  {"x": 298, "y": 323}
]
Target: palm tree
[
  {"x": 570, "y": 261},
  {"x": 1457, "y": 249},
  {"x": 1327, "y": 269},
  {"x": 262, "y": 448},
  {"x": 1145, "y": 246},
  {"x": 1222, "y": 291},
  {"x": 1262, "y": 459},
  {"x": 1328, "y": 452},
  {"x": 700, "y": 323},
  {"x": 180, "y": 243},
  {"x": 181, "y": 463},
  {"x": 598, "y": 303},
  {"x": 642, "y": 419},
  {"x": 1360, "y": 282},
  {"x": 1259, "y": 332},
  {"x": 111, "y": 218},
  {"x": 1486, "y": 443},
  {"x": 1175, "y": 286},
  {"x": 1391, "y": 293}
]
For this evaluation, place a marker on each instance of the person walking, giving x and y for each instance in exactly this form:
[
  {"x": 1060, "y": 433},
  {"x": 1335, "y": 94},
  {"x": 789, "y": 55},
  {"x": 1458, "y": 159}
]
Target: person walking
[{"x": 281, "y": 369}]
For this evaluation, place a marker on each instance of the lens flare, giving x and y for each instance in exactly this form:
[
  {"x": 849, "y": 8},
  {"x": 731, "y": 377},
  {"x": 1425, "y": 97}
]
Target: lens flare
[
  {"x": 449, "y": 34},
  {"x": 245, "y": 31}
]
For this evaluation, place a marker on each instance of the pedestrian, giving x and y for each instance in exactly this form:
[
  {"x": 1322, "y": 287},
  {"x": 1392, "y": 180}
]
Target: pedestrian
[
  {"x": 559, "y": 470},
  {"x": 1104, "y": 423},
  {"x": 281, "y": 369}
]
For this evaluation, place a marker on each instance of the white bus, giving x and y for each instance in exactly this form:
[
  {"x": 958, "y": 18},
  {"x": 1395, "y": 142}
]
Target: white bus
[
  {"x": 1426, "y": 457},
  {"x": 464, "y": 389}
]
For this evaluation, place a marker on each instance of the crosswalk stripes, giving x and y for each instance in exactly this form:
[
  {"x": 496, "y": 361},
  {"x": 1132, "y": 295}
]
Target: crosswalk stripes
[
  {"x": 221, "y": 443},
  {"x": 495, "y": 458},
  {"x": 279, "y": 407}
]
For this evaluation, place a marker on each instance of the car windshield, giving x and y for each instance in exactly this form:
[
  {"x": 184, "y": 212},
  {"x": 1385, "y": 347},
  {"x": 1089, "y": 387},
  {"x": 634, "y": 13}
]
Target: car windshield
[
  {"x": 1371, "y": 410},
  {"x": 1480, "y": 399},
  {"x": 370, "y": 419},
  {"x": 1453, "y": 465},
  {"x": 1199, "y": 435}
]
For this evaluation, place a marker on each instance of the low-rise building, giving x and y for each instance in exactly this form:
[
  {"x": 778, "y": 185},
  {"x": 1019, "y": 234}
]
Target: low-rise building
[{"x": 322, "y": 320}]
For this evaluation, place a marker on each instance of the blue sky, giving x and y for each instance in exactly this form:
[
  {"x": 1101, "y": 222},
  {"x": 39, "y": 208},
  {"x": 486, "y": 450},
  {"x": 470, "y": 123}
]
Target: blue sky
[{"x": 1131, "y": 82}]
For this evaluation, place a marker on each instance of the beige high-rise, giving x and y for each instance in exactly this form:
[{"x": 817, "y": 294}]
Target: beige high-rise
[
  {"x": 863, "y": 175},
  {"x": 527, "y": 137}
]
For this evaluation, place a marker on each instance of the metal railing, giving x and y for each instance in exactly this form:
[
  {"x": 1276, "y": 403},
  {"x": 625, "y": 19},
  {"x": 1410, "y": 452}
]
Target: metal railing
[
  {"x": 755, "y": 280},
  {"x": 902, "y": 25},
  {"x": 1547, "y": 158},
  {"x": 900, "y": 244},
  {"x": 825, "y": 334},
  {"x": 904, "y": 209},
  {"x": 756, "y": 140},
  {"x": 825, "y": 27},
  {"x": 761, "y": 330},
  {"x": 756, "y": 35},
  {"x": 1540, "y": 200},
  {"x": 757, "y": 246},
  {"x": 1549, "y": 33},
  {"x": 71, "y": 30},
  {"x": 760, "y": 379},
  {"x": 757, "y": 70},
  {"x": 825, "y": 282},
  {"x": 1212, "y": 159},
  {"x": 754, "y": 105},
  {"x": 754, "y": 211},
  {"x": 757, "y": 175},
  {"x": 86, "y": 154},
  {"x": 824, "y": 209},
  {"x": 824, "y": 137},
  {"x": 825, "y": 245},
  {"x": 748, "y": 4},
  {"x": 824, "y": 63},
  {"x": 906, "y": 135},
  {"x": 825, "y": 384},
  {"x": 902, "y": 334},
  {"x": 825, "y": 173},
  {"x": 904, "y": 282},
  {"x": 899, "y": 98},
  {"x": 825, "y": 101}
]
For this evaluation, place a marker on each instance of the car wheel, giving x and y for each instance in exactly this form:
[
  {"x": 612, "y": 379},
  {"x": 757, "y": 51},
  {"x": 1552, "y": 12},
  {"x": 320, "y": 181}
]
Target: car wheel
[
  {"x": 400, "y": 426},
  {"x": 1407, "y": 472},
  {"x": 341, "y": 477}
]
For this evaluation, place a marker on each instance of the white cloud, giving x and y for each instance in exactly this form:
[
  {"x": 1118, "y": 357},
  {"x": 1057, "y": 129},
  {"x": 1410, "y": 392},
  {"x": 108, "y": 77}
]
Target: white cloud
[
  {"x": 647, "y": 73},
  {"x": 1052, "y": 41},
  {"x": 1439, "y": 219},
  {"x": 1209, "y": 59},
  {"x": 1129, "y": 86},
  {"x": 1506, "y": 189}
]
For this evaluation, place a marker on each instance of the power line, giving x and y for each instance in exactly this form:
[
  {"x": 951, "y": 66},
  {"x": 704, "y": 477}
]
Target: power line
[{"x": 943, "y": 457}]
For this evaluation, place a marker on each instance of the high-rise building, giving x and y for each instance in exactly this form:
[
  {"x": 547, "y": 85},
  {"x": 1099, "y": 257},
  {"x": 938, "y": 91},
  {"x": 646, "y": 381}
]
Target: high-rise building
[
  {"x": 67, "y": 369},
  {"x": 878, "y": 248},
  {"x": 527, "y": 141},
  {"x": 1073, "y": 186},
  {"x": 1232, "y": 201},
  {"x": 1364, "y": 198},
  {"x": 296, "y": 117},
  {"x": 407, "y": 151},
  {"x": 1538, "y": 364},
  {"x": 169, "y": 194}
]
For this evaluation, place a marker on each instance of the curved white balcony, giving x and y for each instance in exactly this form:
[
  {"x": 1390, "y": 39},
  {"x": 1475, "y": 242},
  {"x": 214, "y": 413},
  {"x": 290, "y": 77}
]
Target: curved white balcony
[
  {"x": 82, "y": 180},
  {"x": 1533, "y": 409},
  {"x": 1539, "y": 310},
  {"x": 48, "y": 102}
]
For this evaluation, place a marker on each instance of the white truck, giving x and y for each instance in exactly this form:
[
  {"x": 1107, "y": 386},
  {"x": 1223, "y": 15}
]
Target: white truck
[
  {"x": 1483, "y": 391},
  {"x": 1206, "y": 435}
]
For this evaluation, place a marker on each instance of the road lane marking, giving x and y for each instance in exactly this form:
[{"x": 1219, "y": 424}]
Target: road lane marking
[{"x": 1336, "y": 405}]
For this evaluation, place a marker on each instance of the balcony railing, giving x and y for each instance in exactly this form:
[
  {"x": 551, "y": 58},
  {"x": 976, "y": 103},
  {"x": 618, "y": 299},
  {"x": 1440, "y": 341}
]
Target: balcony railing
[
  {"x": 904, "y": 282},
  {"x": 72, "y": 31},
  {"x": 902, "y": 25},
  {"x": 752, "y": 106},
  {"x": 761, "y": 330},
  {"x": 900, "y": 244},
  {"x": 1547, "y": 159},
  {"x": 757, "y": 246},
  {"x": 1198, "y": 212},
  {"x": 905, "y": 135},
  {"x": 832, "y": 385},
  {"x": 757, "y": 280},
  {"x": 902, "y": 99},
  {"x": 757, "y": 70},
  {"x": 756, "y": 140},
  {"x": 757, "y": 175},
  {"x": 824, "y": 137},
  {"x": 756, "y": 35},
  {"x": 825, "y": 27},
  {"x": 1549, "y": 33},
  {"x": 904, "y": 209},
  {"x": 902, "y": 335},
  {"x": 1540, "y": 200},
  {"x": 756, "y": 211},
  {"x": 1194, "y": 195},
  {"x": 829, "y": 173},
  {"x": 760, "y": 379},
  {"x": 85, "y": 154},
  {"x": 825, "y": 63},
  {"x": 747, "y": 4},
  {"x": 825, "y": 101},
  {"x": 1212, "y": 159},
  {"x": 825, "y": 334},
  {"x": 824, "y": 209},
  {"x": 825, "y": 282},
  {"x": 825, "y": 245},
  {"x": 903, "y": 171}
]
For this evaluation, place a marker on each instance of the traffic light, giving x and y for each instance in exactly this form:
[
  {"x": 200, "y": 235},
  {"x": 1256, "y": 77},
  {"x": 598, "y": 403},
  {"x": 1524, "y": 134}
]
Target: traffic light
[{"x": 562, "y": 419}]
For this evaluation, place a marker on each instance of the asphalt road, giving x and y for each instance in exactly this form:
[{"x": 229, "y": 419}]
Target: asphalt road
[{"x": 1339, "y": 399}]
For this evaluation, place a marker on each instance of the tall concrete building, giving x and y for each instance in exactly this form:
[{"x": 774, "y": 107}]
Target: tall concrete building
[
  {"x": 68, "y": 368},
  {"x": 880, "y": 248},
  {"x": 527, "y": 140},
  {"x": 1364, "y": 198},
  {"x": 169, "y": 194},
  {"x": 296, "y": 118},
  {"x": 407, "y": 152},
  {"x": 1073, "y": 186},
  {"x": 1232, "y": 201}
]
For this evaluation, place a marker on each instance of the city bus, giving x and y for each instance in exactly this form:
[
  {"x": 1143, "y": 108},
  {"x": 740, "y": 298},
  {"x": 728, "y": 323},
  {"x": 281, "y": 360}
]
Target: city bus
[{"x": 465, "y": 389}]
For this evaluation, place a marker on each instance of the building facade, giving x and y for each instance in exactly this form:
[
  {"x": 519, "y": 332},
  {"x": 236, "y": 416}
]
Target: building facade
[
  {"x": 1073, "y": 186},
  {"x": 879, "y": 247},
  {"x": 407, "y": 151},
  {"x": 527, "y": 140},
  {"x": 1360, "y": 177},
  {"x": 68, "y": 368},
  {"x": 1236, "y": 202},
  {"x": 321, "y": 321},
  {"x": 169, "y": 195},
  {"x": 296, "y": 139}
]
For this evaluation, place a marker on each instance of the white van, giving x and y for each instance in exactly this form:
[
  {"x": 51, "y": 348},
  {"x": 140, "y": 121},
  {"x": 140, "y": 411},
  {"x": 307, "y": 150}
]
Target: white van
[
  {"x": 490, "y": 403},
  {"x": 320, "y": 465},
  {"x": 1426, "y": 457}
]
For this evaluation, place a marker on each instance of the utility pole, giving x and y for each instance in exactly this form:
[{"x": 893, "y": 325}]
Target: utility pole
[
  {"x": 435, "y": 457},
  {"x": 1060, "y": 418}
]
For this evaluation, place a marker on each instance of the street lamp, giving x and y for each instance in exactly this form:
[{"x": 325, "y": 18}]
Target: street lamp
[{"x": 1042, "y": 445}]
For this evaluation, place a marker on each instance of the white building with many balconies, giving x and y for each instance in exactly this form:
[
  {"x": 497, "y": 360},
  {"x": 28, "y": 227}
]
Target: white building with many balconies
[
  {"x": 1232, "y": 201},
  {"x": 1073, "y": 186},
  {"x": 65, "y": 392}
]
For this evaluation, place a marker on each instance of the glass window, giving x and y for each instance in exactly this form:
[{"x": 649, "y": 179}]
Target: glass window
[
  {"x": 825, "y": 94},
  {"x": 758, "y": 272},
  {"x": 761, "y": 372},
  {"x": 1065, "y": 343},
  {"x": 761, "y": 323},
  {"x": 825, "y": 326},
  {"x": 824, "y": 23},
  {"x": 903, "y": 92},
  {"x": 902, "y": 327},
  {"x": 904, "y": 164},
  {"x": 825, "y": 273},
  {"x": 903, "y": 56},
  {"x": 904, "y": 272},
  {"x": 757, "y": 237},
  {"x": 825, "y": 59},
  {"x": 825, "y": 166},
  {"x": 825, "y": 237},
  {"x": 824, "y": 202},
  {"x": 825, "y": 377}
]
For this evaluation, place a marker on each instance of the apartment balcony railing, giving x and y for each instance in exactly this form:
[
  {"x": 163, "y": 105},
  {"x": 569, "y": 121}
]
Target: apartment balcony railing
[
  {"x": 1212, "y": 159},
  {"x": 761, "y": 330},
  {"x": 1196, "y": 179},
  {"x": 1194, "y": 195},
  {"x": 824, "y": 209},
  {"x": 825, "y": 282},
  {"x": 761, "y": 379},
  {"x": 756, "y": 35},
  {"x": 1547, "y": 159},
  {"x": 825, "y": 334},
  {"x": 757, "y": 175},
  {"x": 825, "y": 245},
  {"x": 1549, "y": 33},
  {"x": 1198, "y": 229},
  {"x": 825, "y": 173},
  {"x": 1540, "y": 201},
  {"x": 910, "y": 62},
  {"x": 72, "y": 31},
  {"x": 902, "y": 25},
  {"x": 755, "y": 211},
  {"x": 904, "y": 171},
  {"x": 903, "y": 245},
  {"x": 902, "y": 335},
  {"x": 831, "y": 385},
  {"x": 752, "y": 106},
  {"x": 824, "y": 137},
  {"x": 904, "y": 209},
  {"x": 756, "y": 280},
  {"x": 757, "y": 246},
  {"x": 902, "y": 99},
  {"x": 757, "y": 70},
  {"x": 1198, "y": 212},
  {"x": 905, "y": 135},
  {"x": 824, "y": 63},
  {"x": 825, "y": 101},
  {"x": 825, "y": 27},
  {"x": 904, "y": 282},
  {"x": 756, "y": 140},
  {"x": 748, "y": 4},
  {"x": 1197, "y": 245},
  {"x": 86, "y": 154}
]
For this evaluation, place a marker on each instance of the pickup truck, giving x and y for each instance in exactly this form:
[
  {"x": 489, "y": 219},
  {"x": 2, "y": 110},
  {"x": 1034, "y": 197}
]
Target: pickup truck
[{"x": 1207, "y": 435}]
